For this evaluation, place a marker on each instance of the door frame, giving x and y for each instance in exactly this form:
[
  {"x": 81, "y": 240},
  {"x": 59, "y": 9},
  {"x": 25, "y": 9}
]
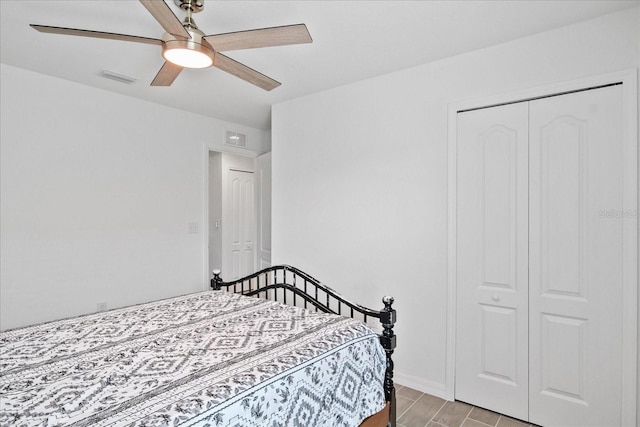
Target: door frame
[
  {"x": 263, "y": 185},
  {"x": 628, "y": 78}
]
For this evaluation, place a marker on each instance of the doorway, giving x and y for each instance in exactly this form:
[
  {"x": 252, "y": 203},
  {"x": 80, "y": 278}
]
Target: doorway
[{"x": 231, "y": 214}]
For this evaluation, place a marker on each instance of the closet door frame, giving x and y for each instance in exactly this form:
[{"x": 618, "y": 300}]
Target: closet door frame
[{"x": 628, "y": 78}]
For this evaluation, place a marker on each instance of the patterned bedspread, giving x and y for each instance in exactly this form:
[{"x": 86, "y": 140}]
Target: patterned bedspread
[{"x": 206, "y": 359}]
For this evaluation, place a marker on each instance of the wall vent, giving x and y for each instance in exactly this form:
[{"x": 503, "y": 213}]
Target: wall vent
[
  {"x": 236, "y": 139},
  {"x": 117, "y": 77}
]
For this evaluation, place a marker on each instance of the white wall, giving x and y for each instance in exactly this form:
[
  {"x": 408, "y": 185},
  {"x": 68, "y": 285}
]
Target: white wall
[
  {"x": 97, "y": 192},
  {"x": 360, "y": 174}
]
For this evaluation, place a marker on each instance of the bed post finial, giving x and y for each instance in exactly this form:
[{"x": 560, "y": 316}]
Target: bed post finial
[
  {"x": 388, "y": 340},
  {"x": 216, "y": 281}
]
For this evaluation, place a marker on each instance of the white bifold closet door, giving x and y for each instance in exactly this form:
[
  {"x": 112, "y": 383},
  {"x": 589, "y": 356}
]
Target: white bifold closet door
[
  {"x": 540, "y": 260},
  {"x": 492, "y": 277}
]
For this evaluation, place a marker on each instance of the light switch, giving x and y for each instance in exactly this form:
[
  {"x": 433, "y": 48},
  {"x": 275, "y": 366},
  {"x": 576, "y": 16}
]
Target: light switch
[{"x": 194, "y": 228}]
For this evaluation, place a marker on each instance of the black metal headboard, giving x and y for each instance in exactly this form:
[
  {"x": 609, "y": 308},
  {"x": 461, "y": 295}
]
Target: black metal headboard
[{"x": 277, "y": 282}]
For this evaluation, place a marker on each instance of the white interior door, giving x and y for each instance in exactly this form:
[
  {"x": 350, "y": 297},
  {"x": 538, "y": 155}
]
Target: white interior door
[
  {"x": 576, "y": 258},
  {"x": 242, "y": 223},
  {"x": 492, "y": 294}
]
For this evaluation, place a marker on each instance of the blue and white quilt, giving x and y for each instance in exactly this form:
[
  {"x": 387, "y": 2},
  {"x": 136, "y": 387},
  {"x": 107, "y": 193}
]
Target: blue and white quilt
[{"x": 207, "y": 359}]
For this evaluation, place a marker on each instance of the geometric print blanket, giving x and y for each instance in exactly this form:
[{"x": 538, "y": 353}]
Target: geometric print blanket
[{"x": 211, "y": 358}]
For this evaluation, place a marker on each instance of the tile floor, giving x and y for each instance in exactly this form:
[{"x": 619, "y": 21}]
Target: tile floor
[{"x": 417, "y": 409}]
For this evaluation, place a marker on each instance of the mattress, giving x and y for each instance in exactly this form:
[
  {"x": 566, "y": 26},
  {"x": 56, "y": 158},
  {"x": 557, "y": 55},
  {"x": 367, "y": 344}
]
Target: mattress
[{"x": 206, "y": 359}]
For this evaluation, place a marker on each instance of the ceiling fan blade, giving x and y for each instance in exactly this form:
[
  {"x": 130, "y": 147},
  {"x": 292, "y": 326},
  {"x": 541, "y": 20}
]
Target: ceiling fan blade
[
  {"x": 245, "y": 73},
  {"x": 95, "y": 34},
  {"x": 165, "y": 16},
  {"x": 262, "y": 37},
  {"x": 166, "y": 75}
]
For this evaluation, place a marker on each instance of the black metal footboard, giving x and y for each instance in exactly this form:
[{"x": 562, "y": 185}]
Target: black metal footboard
[{"x": 291, "y": 286}]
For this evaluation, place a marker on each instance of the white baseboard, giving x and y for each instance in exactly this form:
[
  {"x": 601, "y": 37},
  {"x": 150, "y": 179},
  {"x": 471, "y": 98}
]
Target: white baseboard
[{"x": 416, "y": 383}]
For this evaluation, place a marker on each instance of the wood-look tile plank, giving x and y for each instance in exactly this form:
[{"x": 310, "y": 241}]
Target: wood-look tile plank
[
  {"x": 402, "y": 404},
  {"x": 408, "y": 393},
  {"x": 421, "y": 411},
  {"x": 505, "y": 421},
  {"x": 453, "y": 414},
  {"x": 484, "y": 416},
  {"x": 473, "y": 423}
]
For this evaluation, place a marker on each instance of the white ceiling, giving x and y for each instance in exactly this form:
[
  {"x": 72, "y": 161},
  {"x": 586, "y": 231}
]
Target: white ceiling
[{"x": 352, "y": 40}]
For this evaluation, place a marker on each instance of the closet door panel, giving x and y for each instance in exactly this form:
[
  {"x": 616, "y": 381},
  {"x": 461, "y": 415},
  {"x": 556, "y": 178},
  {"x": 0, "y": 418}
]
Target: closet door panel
[
  {"x": 576, "y": 253},
  {"x": 491, "y": 336}
]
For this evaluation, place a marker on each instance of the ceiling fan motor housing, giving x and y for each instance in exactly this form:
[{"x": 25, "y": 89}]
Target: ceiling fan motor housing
[{"x": 194, "y": 5}]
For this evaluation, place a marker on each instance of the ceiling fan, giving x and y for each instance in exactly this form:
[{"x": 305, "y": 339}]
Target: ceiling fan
[{"x": 184, "y": 45}]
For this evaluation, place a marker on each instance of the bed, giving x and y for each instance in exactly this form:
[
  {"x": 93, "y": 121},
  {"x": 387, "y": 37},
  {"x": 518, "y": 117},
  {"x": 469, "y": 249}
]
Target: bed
[{"x": 274, "y": 349}]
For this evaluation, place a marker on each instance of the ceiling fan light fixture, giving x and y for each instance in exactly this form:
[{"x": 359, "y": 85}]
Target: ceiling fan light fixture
[
  {"x": 194, "y": 52},
  {"x": 187, "y": 57}
]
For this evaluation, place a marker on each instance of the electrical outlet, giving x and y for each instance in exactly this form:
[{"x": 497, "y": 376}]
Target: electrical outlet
[{"x": 102, "y": 306}]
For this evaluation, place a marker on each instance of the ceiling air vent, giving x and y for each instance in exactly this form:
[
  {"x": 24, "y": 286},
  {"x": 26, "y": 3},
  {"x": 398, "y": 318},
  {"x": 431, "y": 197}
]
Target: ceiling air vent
[
  {"x": 117, "y": 77},
  {"x": 236, "y": 139}
]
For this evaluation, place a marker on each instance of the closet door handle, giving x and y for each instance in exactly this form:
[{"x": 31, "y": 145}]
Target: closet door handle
[{"x": 495, "y": 297}]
